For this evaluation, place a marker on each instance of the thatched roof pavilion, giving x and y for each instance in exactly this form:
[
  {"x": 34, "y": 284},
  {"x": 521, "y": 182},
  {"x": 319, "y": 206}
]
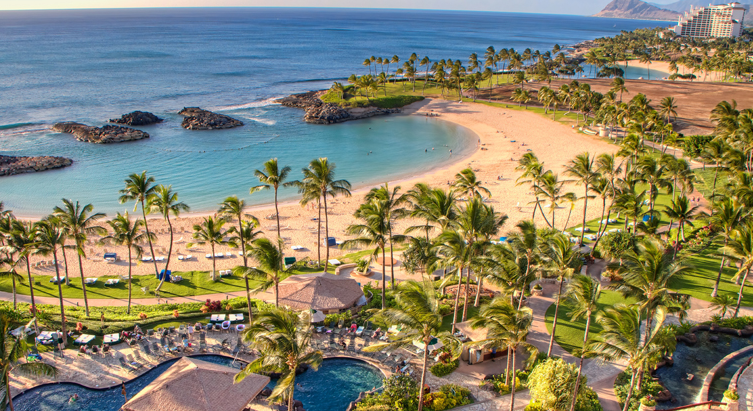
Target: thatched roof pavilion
[{"x": 319, "y": 291}]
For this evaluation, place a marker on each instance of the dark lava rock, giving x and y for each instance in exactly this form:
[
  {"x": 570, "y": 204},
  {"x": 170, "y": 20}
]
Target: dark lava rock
[
  {"x": 319, "y": 112},
  {"x": 10, "y": 165},
  {"x": 198, "y": 119},
  {"x": 137, "y": 118},
  {"x": 99, "y": 135}
]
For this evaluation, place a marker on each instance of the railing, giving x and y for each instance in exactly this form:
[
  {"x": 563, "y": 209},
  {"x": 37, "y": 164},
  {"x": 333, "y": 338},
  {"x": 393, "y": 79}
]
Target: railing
[
  {"x": 740, "y": 371},
  {"x": 708, "y": 405}
]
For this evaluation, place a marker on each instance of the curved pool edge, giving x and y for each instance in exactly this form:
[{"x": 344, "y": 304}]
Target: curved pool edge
[{"x": 706, "y": 387}]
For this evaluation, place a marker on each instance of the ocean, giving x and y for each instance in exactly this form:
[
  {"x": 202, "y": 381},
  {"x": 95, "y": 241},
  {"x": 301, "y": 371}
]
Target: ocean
[{"x": 93, "y": 65}]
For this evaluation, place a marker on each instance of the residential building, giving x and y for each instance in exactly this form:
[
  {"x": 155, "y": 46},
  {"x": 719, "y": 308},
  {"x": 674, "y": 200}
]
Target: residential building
[{"x": 723, "y": 20}]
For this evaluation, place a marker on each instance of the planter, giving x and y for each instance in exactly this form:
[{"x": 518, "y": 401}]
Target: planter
[
  {"x": 732, "y": 405},
  {"x": 647, "y": 408},
  {"x": 538, "y": 293}
]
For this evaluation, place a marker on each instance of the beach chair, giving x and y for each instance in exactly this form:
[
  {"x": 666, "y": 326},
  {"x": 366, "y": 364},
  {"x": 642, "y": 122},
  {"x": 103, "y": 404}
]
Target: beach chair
[
  {"x": 203, "y": 342},
  {"x": 124, "y": 365},
  {"x": 133, "y": 362}
]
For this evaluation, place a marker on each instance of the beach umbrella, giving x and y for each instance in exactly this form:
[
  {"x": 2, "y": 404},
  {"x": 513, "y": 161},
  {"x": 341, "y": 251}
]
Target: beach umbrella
[
  {"x": 316, "y": 316},
  {"x": 434, "y": 344}
]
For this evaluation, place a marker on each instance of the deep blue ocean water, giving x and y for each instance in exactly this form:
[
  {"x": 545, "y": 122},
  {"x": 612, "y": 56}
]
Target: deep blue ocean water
[{"x": 92, "y": 65}]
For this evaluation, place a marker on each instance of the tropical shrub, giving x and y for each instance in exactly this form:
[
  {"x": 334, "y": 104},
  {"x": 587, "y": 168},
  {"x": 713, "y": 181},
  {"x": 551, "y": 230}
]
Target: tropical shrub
[
  {"x": 552, "y": 382},
  {"x": 449, "y": 396},
  {"x": 731, "y": 394},
  {"x": 694, "y": 145},
  {"x": 497, "y": 384},
  {"x": 441, "y": 369},
  {"x": 622, "y": 384},
  {"x": 400, "y": 393},
  {"x": 613, "y": 245},
  {"x": 648, "y": 401}
]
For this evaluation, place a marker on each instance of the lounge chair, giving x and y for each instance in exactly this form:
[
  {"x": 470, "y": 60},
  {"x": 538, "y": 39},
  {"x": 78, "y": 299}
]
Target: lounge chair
[
  {"x": 132, "y": 361},
  {"x": 124, "y": 365}
]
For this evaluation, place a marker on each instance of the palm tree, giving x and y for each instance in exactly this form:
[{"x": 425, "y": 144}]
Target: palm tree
[
  {"x": 436, "y": 206},
  {"x": 49, "y": 240},
  {"x": 22, "y": 238},
  {"x": 282, "y": 339},
  {"x": 533, "y": 172},
  {"x": 270, "y": 270},
  {"x": 454, "y": 252},
  {"x": 740, "y": 248},
  {"x": 14, "y": 350},
  {"x": 681, "y": 211},
  {"x": 418, "y": 311},
  {"x": 210, "y": 231},
  {"x": 582, "y": 168},
  {"x": 716, "y": 152},
  {"x": 321, "y": 174},
  {"x": 78, "y": 222},
  {"x": 725, "y": 217},
  {"x": 272, "y": 177},
  {"x": 9, "y": 260},
  {"x": 467, "y": 183},
  {"x": 127, "y": 233},
  {"x": 583, "y": 293},
  {"x": 165, "y": 201},
  {"x": 668, "y": 109},
  {"x": 507, "y": 327},
  {"x": 558, "y": 255},
  {"x": 525, "y": 244},
  {"x": 618, "y": 86},
  {"x": 620, "y": 339},
  {"x": 246, "y": 234},
  {"x": 723, "y": 303},
  {"x": 393, "y": 201},
  {"x": 235, "y": 208},
  {"x": 374, "y": 232},
  {"x": 140, "y": 188},
  {"x": 646, "y": 59},
  {"x": 652, "y": 173},
  {"x": 550, "y": 188}
]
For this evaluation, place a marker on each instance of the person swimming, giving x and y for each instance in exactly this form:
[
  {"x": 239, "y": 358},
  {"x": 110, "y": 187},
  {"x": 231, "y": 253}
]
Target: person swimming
[{"x": 73, "y": 398}]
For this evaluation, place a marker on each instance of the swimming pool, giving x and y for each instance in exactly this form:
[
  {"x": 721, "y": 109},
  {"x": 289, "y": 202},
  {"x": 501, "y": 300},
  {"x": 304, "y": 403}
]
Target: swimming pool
[{"x": 315, "y": 389}]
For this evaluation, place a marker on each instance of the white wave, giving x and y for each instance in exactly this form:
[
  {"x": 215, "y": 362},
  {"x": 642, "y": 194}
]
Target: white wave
[
  {"x": 25, "y": 130},
  {"x": 264, "y": 121},
  {"x": 253, "y": 104}
]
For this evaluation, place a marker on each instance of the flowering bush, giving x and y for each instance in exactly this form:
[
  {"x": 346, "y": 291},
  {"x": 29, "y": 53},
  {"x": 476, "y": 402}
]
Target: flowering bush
[
  {"x": 211, "y": 306},
  {"x": 176, "y": 314},
  {"x": 448, "y": 396},
  {"x": 441, "y": 369},
  {"x": 143, "y": 316}
]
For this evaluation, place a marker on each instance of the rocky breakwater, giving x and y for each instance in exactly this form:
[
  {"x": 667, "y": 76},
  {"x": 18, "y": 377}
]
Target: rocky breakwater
[
  {"x": 99, "y": 135},
  {"x": 198, "y": 119},
  {"x": 10, "y": 165},
  {"x": 319, "y": 112},
  {"x": 137, "y": 118}
]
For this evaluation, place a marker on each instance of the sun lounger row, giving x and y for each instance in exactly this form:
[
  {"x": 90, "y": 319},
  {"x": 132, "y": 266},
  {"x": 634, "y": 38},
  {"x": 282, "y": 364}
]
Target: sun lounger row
[
  {"x": 43, "y": 263},
  {"x": 184, "y": 257},
  {"x": 226, "y": 273},
  {"x": 219, "y": 255}
]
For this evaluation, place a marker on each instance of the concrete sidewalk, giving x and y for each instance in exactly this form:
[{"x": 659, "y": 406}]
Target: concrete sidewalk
[{"x": 122, "y": 302}]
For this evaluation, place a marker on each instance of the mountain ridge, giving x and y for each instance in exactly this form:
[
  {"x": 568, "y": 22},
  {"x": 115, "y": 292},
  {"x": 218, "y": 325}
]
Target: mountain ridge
[
  {"x": 636, "y": 9},
  {"x": 681, "y": 6}
]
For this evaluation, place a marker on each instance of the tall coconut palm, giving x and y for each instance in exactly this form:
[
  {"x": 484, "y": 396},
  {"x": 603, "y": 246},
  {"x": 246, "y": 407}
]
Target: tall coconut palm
[
  {"x": 247, "y": 234},
  {"x": 454, "y": 252},
  {"x": 668, "y": 109},
  {"x": 165, "y": 201},
  {"x": 273, "y": 177},
  {"x": 78, "y": 222},
  {"x": 321, "y": 173},
  {"x": 282, "y": 339},
  {"x": 583, "y": 294},
  {"x": 583, "y": 170},
  {"x": 50, "y": 236},
  {"x": 12, "y": 258},
  {"x": 467, "y": 184},
  {"x": 210, "y": 232},
  {"x": 438, "y": 207},
  {"x": 507, "y": 327},
  {"x": 140, "y": 189},
  {"x": 716, "y": 152},
  {"x": 23, "y": 237},
  {"x": 558, "y": 255},
  {"x": 681, "y": 211},
  {"x": 127, "y": 233},
  {"x": 13, "y": 351},
  {"x": 740, "y": 248},
  {"x": 270, "y": 269},
  {"x": 373, "y": 232},
  {"x": 393, "y": 202},
  {"x": 725, "y": 217},
  {"x": 419, "y": 313},
  {"x": 652, "y": 173},
  {"x": 620, "y": 339},
  {"x": 550, "y": 188},
  {"x": 532, "y": 173},
  {"x": 723, "y": 303},
  {"x": 618, "y": 86},
  {"x": 235, "y": 208}
]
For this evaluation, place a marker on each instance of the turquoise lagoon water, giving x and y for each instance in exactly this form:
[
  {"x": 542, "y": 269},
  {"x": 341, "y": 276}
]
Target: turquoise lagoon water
[
  {"x": 314, "y": 388},
  {"x": 92, "y": 65}
]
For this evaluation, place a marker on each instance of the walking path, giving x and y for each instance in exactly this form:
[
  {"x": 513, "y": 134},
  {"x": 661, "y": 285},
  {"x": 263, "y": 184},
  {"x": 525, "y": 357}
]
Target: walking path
[
  {"x": 745, "y": 390},
  {"x": 121, "y": 302}
]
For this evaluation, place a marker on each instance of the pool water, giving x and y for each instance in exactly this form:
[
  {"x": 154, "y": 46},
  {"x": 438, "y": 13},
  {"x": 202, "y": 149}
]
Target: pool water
[
  {"x": 315, "y": 389},
  {"x": 696, "y": 360},
  {"x": 721, "y": 381}
]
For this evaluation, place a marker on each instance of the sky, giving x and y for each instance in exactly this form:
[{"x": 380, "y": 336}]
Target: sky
[{"x": 580, "y": 7}]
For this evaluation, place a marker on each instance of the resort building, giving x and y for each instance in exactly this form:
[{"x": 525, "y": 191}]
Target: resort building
[
  {"x": 323, "y": 292},
  {"x": 724, "y": 20}
]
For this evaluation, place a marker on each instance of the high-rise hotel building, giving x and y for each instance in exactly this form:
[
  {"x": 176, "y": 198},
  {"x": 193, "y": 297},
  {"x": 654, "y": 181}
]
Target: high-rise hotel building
[{"x": 724, "y": 20}]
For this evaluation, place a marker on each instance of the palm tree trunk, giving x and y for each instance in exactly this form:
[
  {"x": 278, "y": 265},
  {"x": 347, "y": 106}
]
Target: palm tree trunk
[
  {"x": 580, "y": 365},
  {"x": 277, "y": 291},
  {"x": 149, "y": 238},
  {"x": 248, "y": 299},
  {"x": 291, "y": 404},
  {"x": 512, "y": 383},
  {"x": 7, "y": 391},
  {"x": 740, "y": 293},
  {"x": 457, "y": 298},
  {"x": 279, "y": 237},
  {"x": 507, "y": 370},
  {"x": 554, "y": 321},
  {"x": 319, "y": 235},
  {"x": 585, "y": 209},
  {"x": 630, "y": 392},
  {"x": 326, "y": 232},
  {"x": 170, "y": 250},
  {"x": 128, "y": 310},
  {"x": 713, "y": 188},
  {"x": 423, "y": 378},
  {"x": 721, "y": 269},
  {"x": 13, "y": 279},
  {"x": 467, "y": 291},
  {"x": 65, "y": 261},
  {"x": 60, "y": 296},
  {"x": 479, "y": 280},
  {"x": 31, "y": 294},
  {"x": 243, "y": 242},
  {"x": 214, "y": 265},
  {"x": 384, "y": 280},
  {"x": 83, "y": 285},
  {"x": 392, "y": 260}
]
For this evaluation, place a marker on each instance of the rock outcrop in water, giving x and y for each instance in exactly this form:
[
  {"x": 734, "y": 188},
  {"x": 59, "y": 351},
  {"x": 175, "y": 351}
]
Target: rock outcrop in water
[
  {"x": 319, "y": 112},
  {"x": 99, "y": 135},
  {"x": 10, "y": 165},
  {"x": 198, "y": 119},
  {"x": 137, "y": 118}
]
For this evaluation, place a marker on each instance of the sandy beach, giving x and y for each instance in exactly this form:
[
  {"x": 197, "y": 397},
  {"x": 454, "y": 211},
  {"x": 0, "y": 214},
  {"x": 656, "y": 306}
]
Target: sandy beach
[{"x": 504, "y": 136}]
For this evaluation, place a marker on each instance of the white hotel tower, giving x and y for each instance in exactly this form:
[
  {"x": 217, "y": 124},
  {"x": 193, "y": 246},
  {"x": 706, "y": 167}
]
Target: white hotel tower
[{"x": 724, "y": 20}]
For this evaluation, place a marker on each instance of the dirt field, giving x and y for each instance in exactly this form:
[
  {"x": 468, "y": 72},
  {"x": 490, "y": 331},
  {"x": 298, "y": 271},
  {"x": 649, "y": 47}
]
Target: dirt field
[{"x": 694, "y": 100}]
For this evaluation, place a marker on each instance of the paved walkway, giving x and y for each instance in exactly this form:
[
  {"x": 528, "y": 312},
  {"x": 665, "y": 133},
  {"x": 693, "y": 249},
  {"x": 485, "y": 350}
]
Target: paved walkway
[
  {"x": 122, "y": 302},
  {"x": 745, "y": 390}
]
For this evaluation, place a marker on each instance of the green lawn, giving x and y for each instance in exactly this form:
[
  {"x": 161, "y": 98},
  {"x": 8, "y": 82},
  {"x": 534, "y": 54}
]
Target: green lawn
[
  {"x": 570, "y": 334},
  {"x": 472, "y": 312},
  {"x": 699, "y": 282},
  {"x": 194, "y": 283}
]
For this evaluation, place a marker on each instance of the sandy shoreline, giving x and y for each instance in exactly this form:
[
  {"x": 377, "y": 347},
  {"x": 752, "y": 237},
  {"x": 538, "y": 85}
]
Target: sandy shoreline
[{"x": 504, "y": 136}]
